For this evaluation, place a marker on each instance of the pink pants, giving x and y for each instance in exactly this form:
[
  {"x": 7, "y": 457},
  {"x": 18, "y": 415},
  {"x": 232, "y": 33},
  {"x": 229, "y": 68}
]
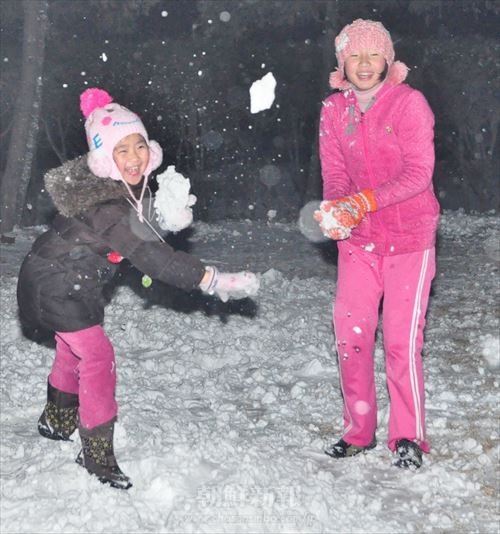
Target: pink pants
[
  {"x": 85, "y": 364},
  {"x": 404, "y": 282}
]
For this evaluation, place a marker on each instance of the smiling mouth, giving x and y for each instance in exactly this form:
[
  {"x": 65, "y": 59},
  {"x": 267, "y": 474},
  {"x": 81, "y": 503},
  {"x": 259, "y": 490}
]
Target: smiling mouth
[
  {"x": 364, "y": 75},
  {"x": 133, "y": 170}
]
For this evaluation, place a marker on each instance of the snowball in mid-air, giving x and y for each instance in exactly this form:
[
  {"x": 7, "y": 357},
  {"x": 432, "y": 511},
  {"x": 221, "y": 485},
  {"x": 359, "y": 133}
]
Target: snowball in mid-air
[
  {"x": 262, "y": 93},
  {"x": 173, "y": 201}
]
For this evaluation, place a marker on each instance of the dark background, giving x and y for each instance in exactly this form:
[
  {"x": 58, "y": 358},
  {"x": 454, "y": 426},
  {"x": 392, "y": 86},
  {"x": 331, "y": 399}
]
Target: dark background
[{"x": 186, "y": 67}]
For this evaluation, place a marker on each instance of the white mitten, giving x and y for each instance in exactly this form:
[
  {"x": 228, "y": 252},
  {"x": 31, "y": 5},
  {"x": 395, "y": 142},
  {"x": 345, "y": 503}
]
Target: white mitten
[{"x": 231, "y": 285}]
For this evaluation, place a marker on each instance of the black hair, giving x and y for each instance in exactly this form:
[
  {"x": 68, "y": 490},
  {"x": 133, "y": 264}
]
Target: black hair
[{"x": 383, "y": 74}]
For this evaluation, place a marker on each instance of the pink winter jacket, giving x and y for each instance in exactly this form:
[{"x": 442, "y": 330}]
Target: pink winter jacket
[{"x": 389, "y": 149}]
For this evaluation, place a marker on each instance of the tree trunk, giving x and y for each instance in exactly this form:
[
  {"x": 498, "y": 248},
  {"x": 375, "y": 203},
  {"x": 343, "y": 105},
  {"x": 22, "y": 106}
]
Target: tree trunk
[{"x": 15, "y": 180}]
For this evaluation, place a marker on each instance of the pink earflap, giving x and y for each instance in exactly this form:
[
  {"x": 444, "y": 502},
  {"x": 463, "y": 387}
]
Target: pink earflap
[
  {"x": 397, "y": 74},
  {"x": 155, "y": 156},
  {"x": 100, "y": 164},
  {"x": 337, "y": 80},
  {"x": 93, "y": 98}
]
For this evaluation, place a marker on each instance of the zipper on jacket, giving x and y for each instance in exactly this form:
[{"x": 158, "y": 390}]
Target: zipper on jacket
[{"x": 370, "y": 172}]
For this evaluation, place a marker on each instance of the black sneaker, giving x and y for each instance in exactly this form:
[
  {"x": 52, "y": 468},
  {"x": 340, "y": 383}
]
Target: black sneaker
[
  {"x": 408, "y": 455},
  {"x": 342, "y": 449}
]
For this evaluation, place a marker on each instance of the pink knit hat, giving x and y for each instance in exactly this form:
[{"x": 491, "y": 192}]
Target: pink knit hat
[
  {"x": 371, "y": 35},
  {"x": 107, "y": 123}
]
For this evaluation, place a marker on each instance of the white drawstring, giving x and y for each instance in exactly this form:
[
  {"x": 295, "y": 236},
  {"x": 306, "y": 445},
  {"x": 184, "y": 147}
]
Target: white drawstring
[
  {"x": 145, "y": 220},
  {"x": 138, "y": 203}
]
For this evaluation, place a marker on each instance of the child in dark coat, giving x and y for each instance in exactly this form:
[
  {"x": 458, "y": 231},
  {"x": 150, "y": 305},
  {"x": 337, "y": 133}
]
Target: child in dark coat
[{"x": 61, "y": 282}]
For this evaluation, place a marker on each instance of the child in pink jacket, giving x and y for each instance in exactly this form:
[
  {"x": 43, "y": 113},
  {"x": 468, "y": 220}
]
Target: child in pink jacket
[{"x": 377, "y": 159}]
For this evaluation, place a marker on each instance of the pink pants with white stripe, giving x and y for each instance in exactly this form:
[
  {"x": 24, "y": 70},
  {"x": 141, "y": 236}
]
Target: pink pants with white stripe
[
  {"x": 85, "y": 365},
  {"x": 404, "y": 282}
]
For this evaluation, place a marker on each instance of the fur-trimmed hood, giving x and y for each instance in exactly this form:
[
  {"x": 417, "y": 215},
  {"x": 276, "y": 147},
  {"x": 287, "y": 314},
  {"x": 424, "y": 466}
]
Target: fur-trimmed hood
[{"x": 74, "y": 189}]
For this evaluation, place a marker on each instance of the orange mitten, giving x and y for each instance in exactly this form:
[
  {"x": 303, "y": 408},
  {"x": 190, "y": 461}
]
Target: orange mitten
[{"x": 338, "y": 217}]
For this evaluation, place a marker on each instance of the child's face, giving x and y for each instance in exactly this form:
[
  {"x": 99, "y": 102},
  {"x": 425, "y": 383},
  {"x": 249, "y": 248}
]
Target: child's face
[
  {"x": 364, "y": 67},
  {"x": 131, "y": 156}
]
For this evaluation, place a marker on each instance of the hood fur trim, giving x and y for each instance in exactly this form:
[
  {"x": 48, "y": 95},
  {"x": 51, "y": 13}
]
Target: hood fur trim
[{"x": 74, "y": 189}]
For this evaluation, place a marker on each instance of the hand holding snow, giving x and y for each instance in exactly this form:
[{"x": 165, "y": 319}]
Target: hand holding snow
[
  {"x": 173, "y": 201},
  {"x": 262, "y": 93},
  {"x": 329, "y": 223}
]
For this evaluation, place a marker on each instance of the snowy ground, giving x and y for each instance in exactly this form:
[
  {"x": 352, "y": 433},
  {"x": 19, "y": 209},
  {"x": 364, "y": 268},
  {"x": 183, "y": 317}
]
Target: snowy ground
[{"x": 225, "y": 409}]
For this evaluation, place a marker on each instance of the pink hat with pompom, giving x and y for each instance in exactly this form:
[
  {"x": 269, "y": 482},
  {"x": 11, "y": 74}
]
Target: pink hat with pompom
[
  {"x": 106, "y": 124},
  {"x": 369, "y": 35}
]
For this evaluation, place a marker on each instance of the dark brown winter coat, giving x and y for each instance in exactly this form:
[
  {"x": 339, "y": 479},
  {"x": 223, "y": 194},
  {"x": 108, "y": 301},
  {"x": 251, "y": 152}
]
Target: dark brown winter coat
[{"x": 61, "y": 281}]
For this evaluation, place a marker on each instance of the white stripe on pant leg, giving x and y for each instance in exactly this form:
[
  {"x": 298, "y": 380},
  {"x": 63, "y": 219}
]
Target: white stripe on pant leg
[
  {"x": 349, "y": 426},
  {"x": 417, "y": 401}
]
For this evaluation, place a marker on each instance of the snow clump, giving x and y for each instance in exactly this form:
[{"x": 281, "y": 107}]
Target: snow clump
[{"x": 173, "y": 202}]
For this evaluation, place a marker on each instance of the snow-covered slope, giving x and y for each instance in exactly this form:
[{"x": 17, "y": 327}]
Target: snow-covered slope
[{"x": 225, "y": 408}]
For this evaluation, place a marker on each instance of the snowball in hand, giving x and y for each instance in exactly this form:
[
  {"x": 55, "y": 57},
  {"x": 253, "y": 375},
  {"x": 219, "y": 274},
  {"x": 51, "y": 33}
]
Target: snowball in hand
[
  {"x": 307, "y": 225},
  {"x": 329, "y": 222},
  {"x": 262, "y": 93},
  {"x": 173, "y": 201}
]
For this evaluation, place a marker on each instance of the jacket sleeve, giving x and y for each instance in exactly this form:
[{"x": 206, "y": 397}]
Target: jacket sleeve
[
  {"x": 415, "y": 133},
  {"x": 336, "y": 182},
  {"x": 112, "y": 222}
]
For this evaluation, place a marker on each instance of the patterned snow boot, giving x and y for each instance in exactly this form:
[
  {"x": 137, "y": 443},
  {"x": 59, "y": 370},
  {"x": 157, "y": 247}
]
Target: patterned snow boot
[
  {"x": 408, "y": 455},
  {"x": 98, "y": 457},
  {"x": 342, "y": 449},
  {"x": 59, "y": 418}
]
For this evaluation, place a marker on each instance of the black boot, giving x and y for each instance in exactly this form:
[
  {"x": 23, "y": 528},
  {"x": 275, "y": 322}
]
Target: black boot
[
  {"x": 98, "y": 457},
  {"x": 59, "y": 418},
  {"x": 408, "y": 455},
  {"x": 342, "y": 449}
]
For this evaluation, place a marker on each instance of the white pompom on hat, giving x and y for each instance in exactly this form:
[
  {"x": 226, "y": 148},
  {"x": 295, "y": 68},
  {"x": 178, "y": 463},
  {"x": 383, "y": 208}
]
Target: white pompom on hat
[{"x": 368, "y": 35}]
